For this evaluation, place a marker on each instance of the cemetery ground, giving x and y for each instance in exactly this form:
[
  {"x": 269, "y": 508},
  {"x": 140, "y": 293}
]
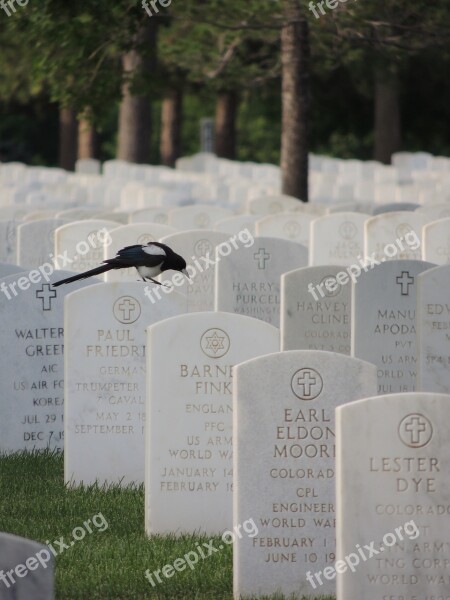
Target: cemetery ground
[{"x": 109, "y": 563}]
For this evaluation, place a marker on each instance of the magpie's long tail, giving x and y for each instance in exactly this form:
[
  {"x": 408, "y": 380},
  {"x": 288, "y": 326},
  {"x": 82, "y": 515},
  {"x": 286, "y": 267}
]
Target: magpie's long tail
[{"x": 85, "y": 275}]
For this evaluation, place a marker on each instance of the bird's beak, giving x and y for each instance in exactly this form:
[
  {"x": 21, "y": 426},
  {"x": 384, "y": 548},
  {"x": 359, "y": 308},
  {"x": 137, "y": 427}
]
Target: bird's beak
[{"x": 185, "y": 273}]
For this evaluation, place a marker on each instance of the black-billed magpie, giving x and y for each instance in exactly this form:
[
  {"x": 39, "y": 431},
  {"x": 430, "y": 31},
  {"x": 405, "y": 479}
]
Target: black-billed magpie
[{"x": 149, "y": 259}]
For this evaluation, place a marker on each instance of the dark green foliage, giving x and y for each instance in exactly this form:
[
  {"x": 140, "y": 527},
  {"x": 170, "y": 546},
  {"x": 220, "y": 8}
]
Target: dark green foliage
[{"x": 59, "y": 53}]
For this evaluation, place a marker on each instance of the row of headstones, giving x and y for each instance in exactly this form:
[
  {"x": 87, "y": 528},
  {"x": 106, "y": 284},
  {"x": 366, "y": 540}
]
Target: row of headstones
[
  {"x": 295, "y": 227},
  {"x": 102, "y": 193},
  {"x": 194, "y": 213},
  {"x": 334, "y": 179},
  {"x": 168, "y": 188},
  {"x": 129, "y": 208},
  {"x": 353, "y": 510},
  {"x": 381, "y": 530},
  {"x": 394, "y": 316},
  {"x": 246, "y": 276},
  {"x": 421, "y": 178},
  {"x": 384, "y": 334},
  {"x": 205, "y": 178},
  {"x": 340, "y": 238},
  {"x": 402, "y": 163},
  {"x": 291, "y": 441},
  {"x": 132, "y": 185},
  {"x": 413, "y": 161},
  {"x": 194, "y": 454},
  {"x": 331, "y": 188},
  {"x": 412, "y": 174},
  {"x": 127, "y": 311}
]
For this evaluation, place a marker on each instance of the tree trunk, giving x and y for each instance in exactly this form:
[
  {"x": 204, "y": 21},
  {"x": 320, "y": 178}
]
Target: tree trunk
[
  {"x": 171, "y": 120},
  {"x": 88, "y": 140},
  {"x": 225, "y": 124},
  {"x": 387, "y": 115},
  {"x": 135, "y": 121},
  {"x": 67, "y": 139},
  {"x": 295, "y": 56}
]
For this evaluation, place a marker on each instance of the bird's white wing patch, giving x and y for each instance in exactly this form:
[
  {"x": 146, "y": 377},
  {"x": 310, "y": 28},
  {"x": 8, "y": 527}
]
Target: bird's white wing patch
[
  {"x": 149, "y": 271},
  {"x": 154, "y": 250}
]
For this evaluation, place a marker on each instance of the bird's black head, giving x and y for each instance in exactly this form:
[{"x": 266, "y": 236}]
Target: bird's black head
[
  {"x": 177, "y": 263},
  {"x": 173, "y": 261}
]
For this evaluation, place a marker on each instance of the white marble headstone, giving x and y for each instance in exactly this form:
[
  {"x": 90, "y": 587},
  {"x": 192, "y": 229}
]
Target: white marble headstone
[
  {"x": 315, "y": 209},
  {"x": 393, "y": 474},
  {"x": 435, "y": 212},
  {"x": 105, "y": 371},
  {"x": 293, "y": 226},
  {"x": 189, "y": 472},
  {"x": 121, "y": 217},
  {"x": 197, "y": 216},
  {"x": 79, "y": 214},
  {"x": 315, "y": 316},
  {"x": 384, "y": 331},
  {"x": 248, "y": 280},
  {"x": 269, "y": 205},
  {"x": 39, "y": 215},
  {"x": 8, "y": 241},
  {"x": 150, "y": 215},
  {"x": 433, "y": 330},
  {"x": 32, "y": 360},
  {"x": 197, "y": 247},
  {"x": 337, "y": 239},
  {"x": 436, "y": 242},
  {"x": 8, "y": 269},
  {"x": 88, "y": 166},
  {"x": 394, "y": 236},
  {"x": 233, "y": 225},
  {"x": 80, "y": 245},
  {"x": 27, "y": 569},
  {"x": 284, "y": 465},
  {"x": 36, "y": 242}
]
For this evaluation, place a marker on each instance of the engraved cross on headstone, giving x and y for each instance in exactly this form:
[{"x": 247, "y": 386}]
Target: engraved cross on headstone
[
  {"x": 127, "y": 308},
  {"x": 307, "y": 381},
  {"x": 405, "y": 280},
  {"x": 415, "y": 427},
  {"x": 261, "y": 256},
  {"x": 203, "y": 247},
  {"x": 46, "y": 294}
]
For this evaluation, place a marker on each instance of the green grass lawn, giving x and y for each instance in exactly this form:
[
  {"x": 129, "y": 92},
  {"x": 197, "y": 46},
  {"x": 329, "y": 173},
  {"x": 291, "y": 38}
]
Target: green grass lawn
[{"x": 109, "y": 564}]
